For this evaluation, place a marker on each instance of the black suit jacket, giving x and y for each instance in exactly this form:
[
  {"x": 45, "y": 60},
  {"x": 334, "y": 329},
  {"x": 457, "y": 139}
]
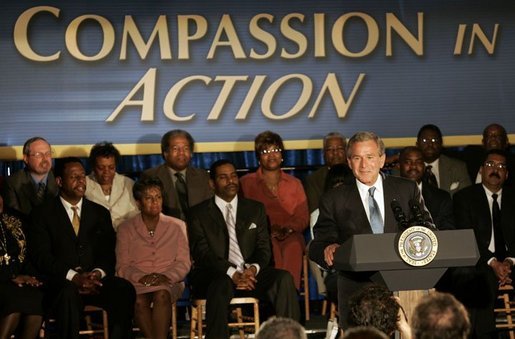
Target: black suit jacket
[
  {"x": 439, "y": 204},
  {"x": 209, "y": 238},
  {"x": 342, "y": 214},
  {"x": 54, "y": 247},
  {"x": 471, "y": 210},
  {"x": 20, "y": 192}
]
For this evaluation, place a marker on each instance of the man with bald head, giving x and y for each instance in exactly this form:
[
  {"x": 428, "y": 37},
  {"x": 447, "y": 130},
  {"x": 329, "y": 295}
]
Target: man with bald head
[{"x": 437, "y": 201}]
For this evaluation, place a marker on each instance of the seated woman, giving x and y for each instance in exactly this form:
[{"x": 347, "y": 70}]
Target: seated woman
[
  {"x": 108, "y": 188},
  {"x": 20, "y": 297},
  {"x": 152, "y": 252},
  {"x": 285, "y": 203}
]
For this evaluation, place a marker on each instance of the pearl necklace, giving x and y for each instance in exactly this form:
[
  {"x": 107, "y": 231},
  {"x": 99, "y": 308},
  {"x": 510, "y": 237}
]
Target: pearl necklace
[{"x": 152, "y": 233}]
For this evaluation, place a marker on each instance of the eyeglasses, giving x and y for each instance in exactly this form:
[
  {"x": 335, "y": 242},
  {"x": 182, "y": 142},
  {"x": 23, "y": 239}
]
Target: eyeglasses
[
  {"x": 499, "y": 165},
  {"x": 269, "y": 151},
  {"x": 430, "y": 141},
  {"x": 335, "y": 150},
  {"x": 41, "y": 155}
]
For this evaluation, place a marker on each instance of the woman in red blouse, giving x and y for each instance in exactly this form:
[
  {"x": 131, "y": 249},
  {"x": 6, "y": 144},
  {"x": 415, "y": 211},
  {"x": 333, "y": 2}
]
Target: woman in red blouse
[{"x": 285, "y": 203}]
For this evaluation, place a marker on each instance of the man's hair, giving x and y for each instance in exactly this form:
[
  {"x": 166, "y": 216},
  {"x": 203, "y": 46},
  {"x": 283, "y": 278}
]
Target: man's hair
[
  {"x": 440, "y": 316},
  {"x": 165, "y": 139},
  {"x": 364, "y": 136},
  {"x": 103, "y": 149},
  {"x": 26, "y": 145},
  {"x": 60, "y": 165},
  {"x": 430, "y": 127},
  {"x": 281, "y": 328},
  {"x": 334, "y": 135},
  {"x": 216, "y": 164},
  {"x": 364, "y": 332},
  {"x": 499, "y": 152},
  {"x": 408, "y": 149},
  {"x": 266, "y": 139},
  {"x": 144, "y": 184},
  {"x": 375, "y": 306}
]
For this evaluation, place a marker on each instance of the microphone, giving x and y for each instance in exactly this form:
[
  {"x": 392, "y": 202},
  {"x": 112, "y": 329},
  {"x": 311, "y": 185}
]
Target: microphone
[
  {"x": 420, "y": 216},
  {"x": 399, "y": 215}
]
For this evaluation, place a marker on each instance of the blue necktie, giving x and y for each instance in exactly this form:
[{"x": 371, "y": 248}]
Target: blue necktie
[{"x": 376, "y": 222}]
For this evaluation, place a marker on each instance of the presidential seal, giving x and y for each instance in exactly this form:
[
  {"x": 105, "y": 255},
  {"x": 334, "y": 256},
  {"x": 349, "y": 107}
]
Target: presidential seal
[{"x": 418, "y": 246}]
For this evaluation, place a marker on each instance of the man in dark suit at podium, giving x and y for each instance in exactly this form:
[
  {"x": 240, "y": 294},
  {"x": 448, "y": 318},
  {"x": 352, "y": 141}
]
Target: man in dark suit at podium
[
  {"x": 487, "y": 208},
  {"x": 360, "y": 207},
  {"x": 437, "y": 201}
]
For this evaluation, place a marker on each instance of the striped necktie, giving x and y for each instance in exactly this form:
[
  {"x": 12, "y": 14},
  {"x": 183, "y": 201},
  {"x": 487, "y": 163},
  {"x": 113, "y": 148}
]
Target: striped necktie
[
  {"x": 376, "y": 222},
  {"x": 235, "y": 255}
]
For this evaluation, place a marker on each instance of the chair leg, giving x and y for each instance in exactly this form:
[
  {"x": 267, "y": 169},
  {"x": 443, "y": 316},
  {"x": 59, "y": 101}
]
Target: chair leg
[
  {"x": 324, "y": 306},
  {"x": 256, "y": 318},
  {"x": 239, "y": 318},
  {"x": 174, "y": 321},
  {"x": 105, "y": 324},
  {"x": 193, "y": 321},
  {"x": 306, "y": 286}
]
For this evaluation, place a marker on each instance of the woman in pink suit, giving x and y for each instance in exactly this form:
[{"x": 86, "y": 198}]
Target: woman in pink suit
[
  {"x": 285, "y": 203},
  {"x": 152, "y": 252}
]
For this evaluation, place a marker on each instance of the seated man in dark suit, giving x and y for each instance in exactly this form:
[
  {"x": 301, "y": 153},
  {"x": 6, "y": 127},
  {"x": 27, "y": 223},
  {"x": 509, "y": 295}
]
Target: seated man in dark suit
[
  {"x": 487, "y": 208},
  {"x": 230, "y": 246},
  {"x": 35, "y": 183},
  {"x": 72, "y": 244},
  {"x": 184, "y": 185},
  {"x": 437, "y": 201}
]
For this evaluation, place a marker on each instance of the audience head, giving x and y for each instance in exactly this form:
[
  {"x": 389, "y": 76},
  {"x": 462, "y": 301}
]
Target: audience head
[
  {"x": 495, "y": 137},
  {"x": 103, "y": 158},
  {"x": 336, "y": 176},
  {"x": 281, "y": 328},
  {"x": 440, "y": 316},
  {"x": 364, "y": 332},
  {"x": 334, "y": 149},
  {"x": 148, "y": 193},
  {"x": 411, "y": 163},
  {"x": 494, "y": 170},
  {"x": 70, "y": 178},
  {"x": 269, "y": 149},
  {"x": 374, "y": 305},
  {"x": 224, "y": 179},
  {"x": 177, "y": 149},
  {"x": 429, "y": 140},
  {"x": 37, "y": 156},
  {"x": 365, "y": 156}
]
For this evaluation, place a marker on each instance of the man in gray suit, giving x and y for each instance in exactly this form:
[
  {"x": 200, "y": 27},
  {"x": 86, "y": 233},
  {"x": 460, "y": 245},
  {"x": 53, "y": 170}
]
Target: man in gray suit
[
  {"x": 34, "y": 184},
  {"x": 358, "y": 207},
  {"x": 441, "y": 171},
  {"x": 230, "y": 247},
  {"x": 184, "y": 186}
]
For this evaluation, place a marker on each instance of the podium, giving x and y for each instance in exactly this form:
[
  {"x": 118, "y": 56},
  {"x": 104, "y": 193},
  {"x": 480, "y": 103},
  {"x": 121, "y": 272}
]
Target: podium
[{"x": 379, "y": 253}]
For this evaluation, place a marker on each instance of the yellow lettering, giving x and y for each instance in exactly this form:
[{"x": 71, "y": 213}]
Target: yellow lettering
[
  {"x": 319, "y": 35},
  {"x": 226, "y": 26},
  {"x": 331, "y": 85},
  {"x": 184, "y": 36},
  {"x": 337, "y": 34},
  {"x": 21, "y": 35},
  {"x": 261, "y": 35},
  {"x": 416, "y": 44},
  {"x": 250, "y": 97},
  {"x": 173, "y": 94},
  {"x": 477, "y": 32},
  {"x": 268, "y": 98},
  {"x": 295, "y": 36},
  {"x": 72, "y": 43},
  {"x": 148, "y": 83},
  {"x": 130, "y": 30},
  {"x": 229, "y": 82}
]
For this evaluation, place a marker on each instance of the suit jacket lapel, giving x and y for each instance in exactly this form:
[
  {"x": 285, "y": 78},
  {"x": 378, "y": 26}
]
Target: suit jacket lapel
[
  {"x": 444, "y": 173},
  {"x": 390, "y": 224},
  {"x": 219, "y": 225},
  {"x": 362, "y": 221}
]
